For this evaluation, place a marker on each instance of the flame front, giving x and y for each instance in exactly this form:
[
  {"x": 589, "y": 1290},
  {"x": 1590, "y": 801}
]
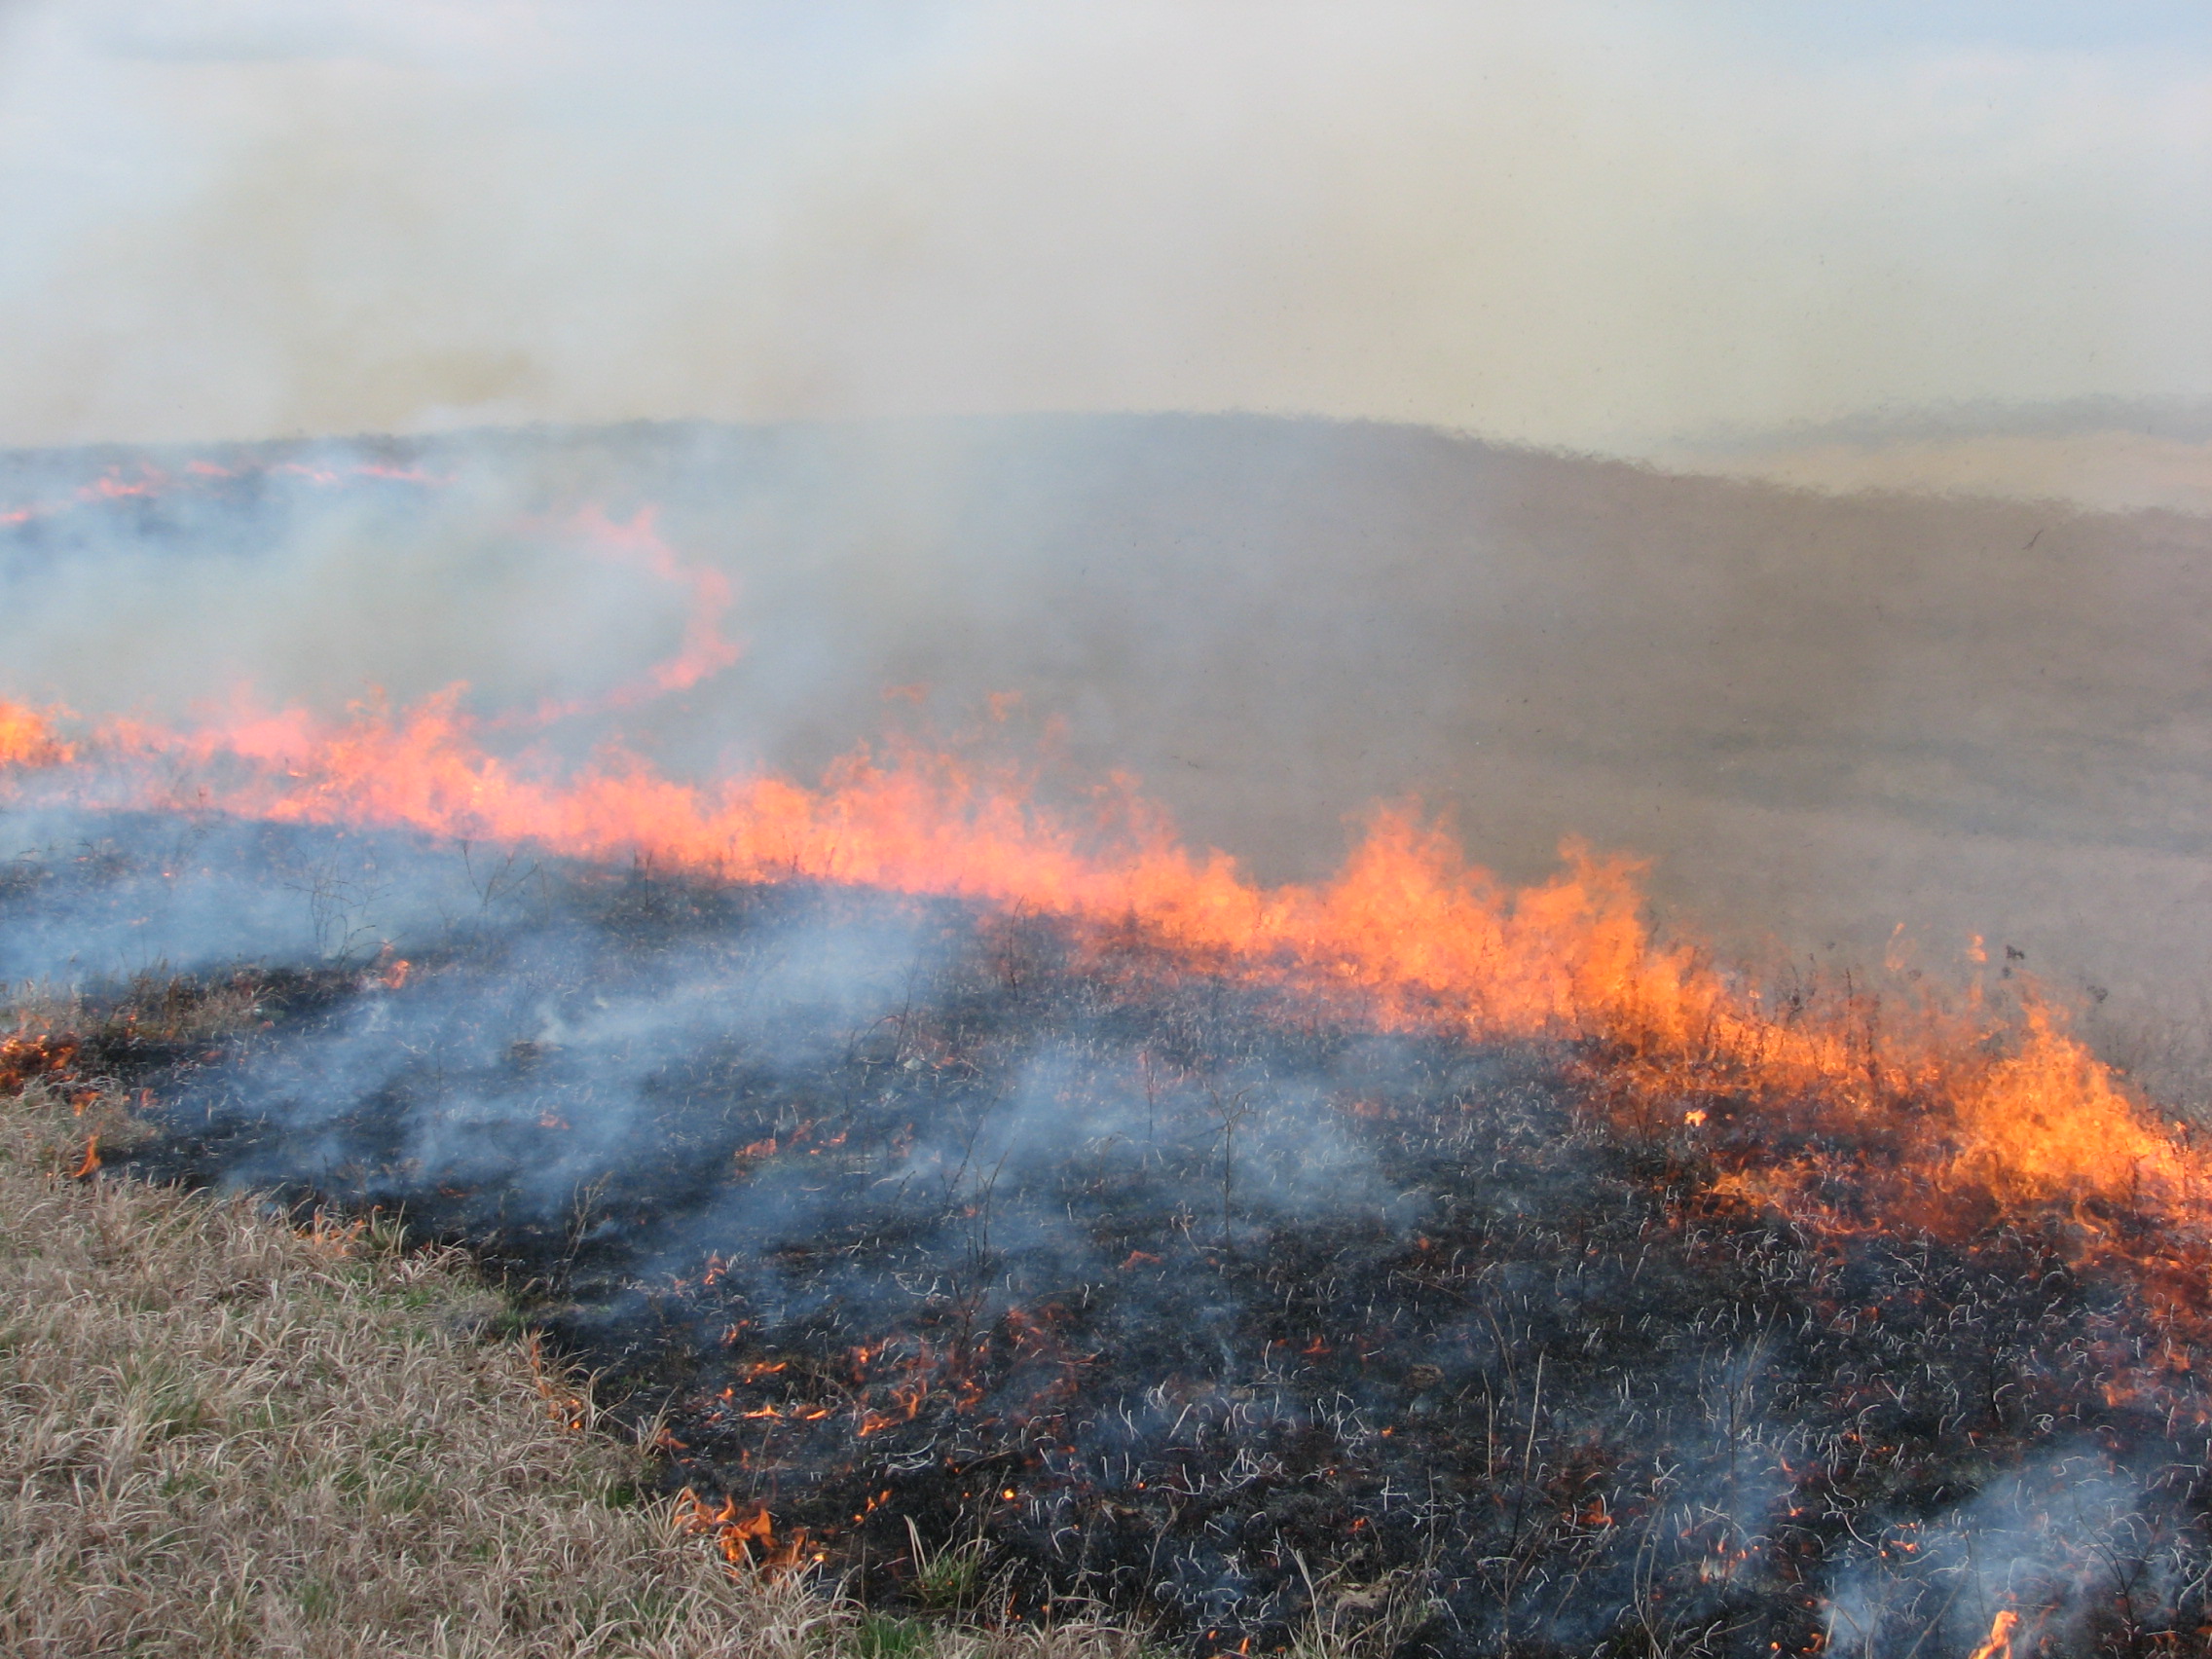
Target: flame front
[
  {"x": 1851, "y": 1114},
  {"x": 1407, "y": 932}
]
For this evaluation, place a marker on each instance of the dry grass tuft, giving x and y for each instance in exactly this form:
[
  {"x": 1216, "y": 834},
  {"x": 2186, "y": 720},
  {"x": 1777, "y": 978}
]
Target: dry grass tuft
[{"x": 220, "y": 1434}]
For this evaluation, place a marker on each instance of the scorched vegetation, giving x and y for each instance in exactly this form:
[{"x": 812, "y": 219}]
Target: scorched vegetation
[{"x": 1018, "y": 1266}]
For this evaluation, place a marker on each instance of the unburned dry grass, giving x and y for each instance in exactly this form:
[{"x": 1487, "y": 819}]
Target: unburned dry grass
[{"x": 221, "y": 1434}]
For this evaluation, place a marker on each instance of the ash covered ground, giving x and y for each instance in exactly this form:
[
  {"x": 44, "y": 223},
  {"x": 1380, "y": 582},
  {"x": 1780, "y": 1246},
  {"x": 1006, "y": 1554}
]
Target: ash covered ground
[{"x": 1010, "y": 1266}]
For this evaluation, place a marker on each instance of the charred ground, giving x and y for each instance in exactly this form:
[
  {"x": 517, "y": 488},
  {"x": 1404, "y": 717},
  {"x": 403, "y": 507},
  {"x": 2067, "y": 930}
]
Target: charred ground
[{"x": 1005, "y": 1263}]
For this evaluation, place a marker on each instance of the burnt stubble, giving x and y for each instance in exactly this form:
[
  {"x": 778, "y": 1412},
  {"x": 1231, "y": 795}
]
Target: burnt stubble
[{"x": 1015, "y": 1266}]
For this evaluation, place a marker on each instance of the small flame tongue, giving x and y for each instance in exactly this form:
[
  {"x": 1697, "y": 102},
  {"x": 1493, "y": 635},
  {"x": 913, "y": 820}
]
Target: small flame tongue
[
  {"x": 708, "y": 593},
  {"x": 1997, "y": 1644}
]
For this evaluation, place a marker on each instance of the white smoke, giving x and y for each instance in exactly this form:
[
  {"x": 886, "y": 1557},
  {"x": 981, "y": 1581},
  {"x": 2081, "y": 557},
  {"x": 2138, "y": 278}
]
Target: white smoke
[{"x": 1579, "y": 224}]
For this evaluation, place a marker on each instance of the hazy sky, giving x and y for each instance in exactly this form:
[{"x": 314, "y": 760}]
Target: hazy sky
[{"x": 1602, "y": 225}]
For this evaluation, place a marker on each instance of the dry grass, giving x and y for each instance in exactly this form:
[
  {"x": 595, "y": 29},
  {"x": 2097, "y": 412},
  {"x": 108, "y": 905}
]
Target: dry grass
[
  {"x": 220, "y": 1434},
  {"x": 223, "y": 1435}
]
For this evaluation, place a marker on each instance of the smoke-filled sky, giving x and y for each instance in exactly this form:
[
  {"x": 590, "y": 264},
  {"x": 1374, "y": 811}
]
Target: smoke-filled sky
[{"x": 1600, "y": 225}]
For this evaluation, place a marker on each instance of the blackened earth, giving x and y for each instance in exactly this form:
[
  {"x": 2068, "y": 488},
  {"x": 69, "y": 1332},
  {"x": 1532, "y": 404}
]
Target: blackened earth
[{"x": 1026, "y": 1268}]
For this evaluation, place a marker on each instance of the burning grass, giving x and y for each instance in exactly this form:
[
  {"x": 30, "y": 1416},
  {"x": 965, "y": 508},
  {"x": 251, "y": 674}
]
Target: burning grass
[
  {"x": 1021, "y": 1219},
  {"x": 1015, "y": 1266}
]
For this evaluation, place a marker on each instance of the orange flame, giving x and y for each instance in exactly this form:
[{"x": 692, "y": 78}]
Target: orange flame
[
  {"x": 1408, "y": 934},
  {"x": 1408, "y": 923},
  {"x": 1997, "y": 1644},
  {"x": 28, "y": 740},
  {"x": 27, "y": 1056},
  {"x": 563, "y": 1405},
  {"x": 744, "y": 1533},
  {"x": 709, "y": 595}
]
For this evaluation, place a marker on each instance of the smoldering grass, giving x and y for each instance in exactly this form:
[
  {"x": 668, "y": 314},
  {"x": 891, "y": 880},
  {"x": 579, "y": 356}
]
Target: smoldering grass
[
  {"x": 223, "y": 1433},
  {"x": 990, "y": 1157}
]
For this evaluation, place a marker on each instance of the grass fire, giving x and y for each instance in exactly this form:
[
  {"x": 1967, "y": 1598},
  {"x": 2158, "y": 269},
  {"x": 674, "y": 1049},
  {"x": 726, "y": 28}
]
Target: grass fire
[
  {"x": 973, "y": 1198},
  {"x": 978, "y": 830}
]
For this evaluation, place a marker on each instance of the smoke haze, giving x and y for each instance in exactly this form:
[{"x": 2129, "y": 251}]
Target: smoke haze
[
  {"x": 1776, "y": 446},
  {"x": 1912, "y": 253},
  {"x": 1822, "y": 717},
  {"x": 1602, "y": 227}
]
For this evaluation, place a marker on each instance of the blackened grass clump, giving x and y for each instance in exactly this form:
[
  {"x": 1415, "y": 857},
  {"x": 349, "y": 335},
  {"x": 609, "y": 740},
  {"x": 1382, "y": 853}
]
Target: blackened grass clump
[{"x": 1016, "y": 1268}]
